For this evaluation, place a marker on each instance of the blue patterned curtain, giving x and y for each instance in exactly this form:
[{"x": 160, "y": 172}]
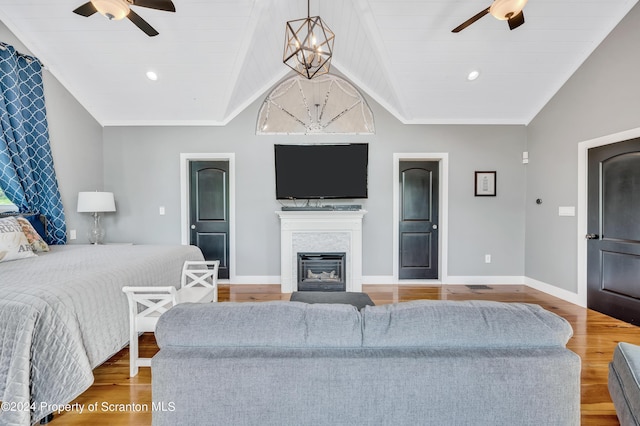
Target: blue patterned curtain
[{"x": 27, "y": 175}]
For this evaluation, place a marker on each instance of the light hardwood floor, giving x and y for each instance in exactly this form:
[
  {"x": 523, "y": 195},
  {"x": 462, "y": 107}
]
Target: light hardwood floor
[{"x": 595, "y": 336}]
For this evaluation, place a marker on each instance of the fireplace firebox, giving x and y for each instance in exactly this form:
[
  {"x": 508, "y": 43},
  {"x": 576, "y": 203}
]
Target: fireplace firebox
[{"x": 321, "y": 272}]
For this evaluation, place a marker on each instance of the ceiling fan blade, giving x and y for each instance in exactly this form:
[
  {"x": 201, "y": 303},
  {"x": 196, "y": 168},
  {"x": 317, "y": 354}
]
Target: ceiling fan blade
[
  {"x": 166, "y": 5},
  {"x": 470, "y": 21},
  {"x": 86, "y": 9},
  {"x": 142, "y": 24},
  {"x": 516, "y": 21}
]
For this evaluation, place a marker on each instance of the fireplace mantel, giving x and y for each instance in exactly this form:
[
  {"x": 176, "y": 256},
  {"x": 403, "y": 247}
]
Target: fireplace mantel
[{"x": 324, "y": 230}]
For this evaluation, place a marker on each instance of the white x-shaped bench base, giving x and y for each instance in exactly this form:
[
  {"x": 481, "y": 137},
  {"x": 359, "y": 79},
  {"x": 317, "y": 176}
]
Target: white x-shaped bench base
[{"x": 146, "y": 304}]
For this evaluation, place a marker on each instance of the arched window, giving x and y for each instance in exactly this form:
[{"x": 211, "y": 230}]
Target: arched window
[{"x": 325, "y": 104}]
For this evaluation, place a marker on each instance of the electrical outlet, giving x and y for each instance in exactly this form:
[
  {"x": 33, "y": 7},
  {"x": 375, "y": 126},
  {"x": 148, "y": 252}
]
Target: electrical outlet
[
  {"x": 161, "y": 210},
  {"x": 72, "y": 234},
  {"x": 487, "y": 258}
]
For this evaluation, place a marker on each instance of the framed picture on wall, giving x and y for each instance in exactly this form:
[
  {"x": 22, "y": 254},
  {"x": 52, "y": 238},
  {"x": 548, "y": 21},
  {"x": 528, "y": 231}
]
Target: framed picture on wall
[{"x": 485, "y": 184}]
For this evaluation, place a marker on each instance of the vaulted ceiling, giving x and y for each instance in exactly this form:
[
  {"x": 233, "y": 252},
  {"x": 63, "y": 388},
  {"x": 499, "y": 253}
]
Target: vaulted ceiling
[{"x": 213, "y": 58}]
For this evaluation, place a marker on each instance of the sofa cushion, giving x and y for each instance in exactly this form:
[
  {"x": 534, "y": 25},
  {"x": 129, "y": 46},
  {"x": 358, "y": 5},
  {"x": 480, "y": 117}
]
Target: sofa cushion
[
  {"x": 260, "y": 324},
  {"x": 472, "y": 324},
  {"x": 624, "y": 382}
]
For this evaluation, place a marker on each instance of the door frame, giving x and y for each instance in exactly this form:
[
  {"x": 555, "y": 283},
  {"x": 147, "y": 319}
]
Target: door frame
[
  {"x": 443, "y": 211},
  {"x": 583, "y": 172},
  {"x": 185, "y": 160}
]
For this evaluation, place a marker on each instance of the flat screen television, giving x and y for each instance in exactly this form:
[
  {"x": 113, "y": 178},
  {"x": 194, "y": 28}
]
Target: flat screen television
[{"x": 321, "y": 171}]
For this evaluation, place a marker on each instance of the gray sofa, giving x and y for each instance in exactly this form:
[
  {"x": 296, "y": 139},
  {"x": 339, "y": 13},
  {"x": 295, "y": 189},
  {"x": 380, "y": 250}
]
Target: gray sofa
[
  {"x": 415, "y": 363},
  {"x": 624, "y": 383}
]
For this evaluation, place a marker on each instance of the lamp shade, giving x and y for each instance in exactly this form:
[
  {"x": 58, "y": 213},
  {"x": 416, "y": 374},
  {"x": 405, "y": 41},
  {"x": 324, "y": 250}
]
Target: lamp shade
[{"x": 96, "y": 202}]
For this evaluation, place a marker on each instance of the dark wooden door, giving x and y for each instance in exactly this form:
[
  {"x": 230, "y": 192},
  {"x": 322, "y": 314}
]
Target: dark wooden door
[
  {"x": 209, "y": 211},
  {"x": 613, "y": 249},
  {"x": 418, "y": 220}
]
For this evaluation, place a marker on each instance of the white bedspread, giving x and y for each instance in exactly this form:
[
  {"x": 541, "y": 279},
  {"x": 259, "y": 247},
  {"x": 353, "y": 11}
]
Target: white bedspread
[{"x": 63, "y": 313}]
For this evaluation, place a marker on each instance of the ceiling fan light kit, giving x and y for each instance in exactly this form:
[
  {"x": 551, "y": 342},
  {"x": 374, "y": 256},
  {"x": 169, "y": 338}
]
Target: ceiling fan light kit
[
  {"x": 115, "y": 10},
  {"x": 112, "y": 9},
  {"x": 504, "y": 10},
  {"x": 308, "y": 46}
]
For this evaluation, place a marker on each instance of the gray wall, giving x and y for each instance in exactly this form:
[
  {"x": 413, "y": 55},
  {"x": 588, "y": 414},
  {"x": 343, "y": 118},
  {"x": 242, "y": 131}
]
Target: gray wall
[
  {"x": 601, "y": 98},
  {"x": 76, "y": 143},
  {"x": 142, "y": 168},
  {"x": 141, "y": 165}
]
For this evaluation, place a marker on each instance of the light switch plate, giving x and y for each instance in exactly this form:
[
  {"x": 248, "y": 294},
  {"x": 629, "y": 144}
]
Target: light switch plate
[{"x": 566, "y": 211}]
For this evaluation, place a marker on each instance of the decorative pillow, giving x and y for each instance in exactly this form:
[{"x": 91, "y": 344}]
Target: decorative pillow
[
  {"x": 33, "y": 237},
  {"x": 13, "y": 243},
  {"x": 38, "y": 221}
]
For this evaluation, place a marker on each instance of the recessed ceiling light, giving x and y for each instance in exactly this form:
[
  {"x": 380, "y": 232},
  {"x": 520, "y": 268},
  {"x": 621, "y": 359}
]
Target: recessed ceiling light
[
  {"x": 152, "y": 75},
  {"x": 473, "y": 75}
]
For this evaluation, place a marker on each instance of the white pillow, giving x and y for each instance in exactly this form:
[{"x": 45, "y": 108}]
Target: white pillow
[
  {"x": 13, "y": 243},
  {"x": 33, "y": 238}
]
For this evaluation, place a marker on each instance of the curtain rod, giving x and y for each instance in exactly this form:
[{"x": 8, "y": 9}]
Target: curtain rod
[{"x": 29, "y": 58}]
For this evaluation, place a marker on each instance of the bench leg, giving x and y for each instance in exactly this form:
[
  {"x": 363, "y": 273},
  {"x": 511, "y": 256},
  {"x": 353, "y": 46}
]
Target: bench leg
[{"x": 133, "y": 351}]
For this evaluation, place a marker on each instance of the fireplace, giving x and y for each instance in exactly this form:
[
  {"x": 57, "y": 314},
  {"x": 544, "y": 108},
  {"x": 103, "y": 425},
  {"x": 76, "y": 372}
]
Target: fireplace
[
  {"x": 321, "y": 271},
  {"x": 330, "y": 231}
]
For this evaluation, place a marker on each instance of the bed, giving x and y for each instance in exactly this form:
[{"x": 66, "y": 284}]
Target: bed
[{"x": 63, "y": 313}]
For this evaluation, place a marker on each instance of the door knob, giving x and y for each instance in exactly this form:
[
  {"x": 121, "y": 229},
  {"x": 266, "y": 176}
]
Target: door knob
[
  {"x": 592, "y": 236},
  {"x": 435, "y": 226},
  {"x": 193, "y": 227}
]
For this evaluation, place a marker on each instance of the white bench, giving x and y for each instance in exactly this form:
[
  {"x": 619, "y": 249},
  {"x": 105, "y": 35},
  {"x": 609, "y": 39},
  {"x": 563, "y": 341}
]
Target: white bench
[
  {"x": 201, "y": 273},
  {"x": 199, "y": 284}
]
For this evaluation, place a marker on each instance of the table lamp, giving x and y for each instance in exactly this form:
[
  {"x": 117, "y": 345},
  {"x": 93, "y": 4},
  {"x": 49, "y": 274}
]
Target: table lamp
[{"x": 95, "y": 203}]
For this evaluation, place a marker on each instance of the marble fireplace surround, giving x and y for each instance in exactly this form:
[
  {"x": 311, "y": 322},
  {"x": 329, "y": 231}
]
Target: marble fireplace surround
[{"x": 320, "y": 231}]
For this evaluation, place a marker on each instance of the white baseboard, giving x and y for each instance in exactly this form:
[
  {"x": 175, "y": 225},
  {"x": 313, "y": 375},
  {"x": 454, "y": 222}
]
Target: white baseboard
[
  {"x": 378, "y": 279},
  {"x": 388, "y": 279},
  {"x": 485, "y": 279},
  {"x": 254, "y": 279},
  {"x": 498, "y": 280},
  {"x": 561, "y": 293},
  {"x": 451, "y": 279},
  {"x": 471, "y": 279}
]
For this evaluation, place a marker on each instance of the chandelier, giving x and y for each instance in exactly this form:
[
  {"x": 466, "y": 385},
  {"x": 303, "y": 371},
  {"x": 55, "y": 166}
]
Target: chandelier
[{"x": 308, "y": 46}]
